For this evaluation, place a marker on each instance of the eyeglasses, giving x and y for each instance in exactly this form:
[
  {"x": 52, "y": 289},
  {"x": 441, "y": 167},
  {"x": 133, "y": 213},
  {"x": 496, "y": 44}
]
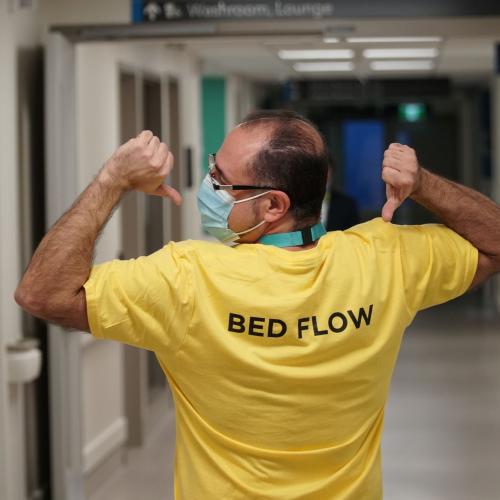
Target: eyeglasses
[{"x": 229, "y": 187}]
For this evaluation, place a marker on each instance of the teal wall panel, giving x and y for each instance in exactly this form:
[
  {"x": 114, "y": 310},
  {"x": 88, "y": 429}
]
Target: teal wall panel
[{"x": 213, "y": 115}]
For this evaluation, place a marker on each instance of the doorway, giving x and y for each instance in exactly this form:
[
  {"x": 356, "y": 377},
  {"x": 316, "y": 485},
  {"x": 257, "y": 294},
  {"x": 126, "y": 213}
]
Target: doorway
[
  {"x": 155, "y": 212},
  {"x": 30, "y": 82},
  {"x": 176, "y": 178},
  {"x": 148, "y": 101}
]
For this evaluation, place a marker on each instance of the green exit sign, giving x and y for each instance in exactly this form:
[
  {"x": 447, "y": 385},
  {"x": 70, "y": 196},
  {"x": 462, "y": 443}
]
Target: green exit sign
[{"x": 412, "y": 112}]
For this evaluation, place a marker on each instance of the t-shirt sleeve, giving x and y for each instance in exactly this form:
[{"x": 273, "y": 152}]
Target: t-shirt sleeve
[
  {"x": 437, "y": 264},
  {"x": 144, "y": 302}
]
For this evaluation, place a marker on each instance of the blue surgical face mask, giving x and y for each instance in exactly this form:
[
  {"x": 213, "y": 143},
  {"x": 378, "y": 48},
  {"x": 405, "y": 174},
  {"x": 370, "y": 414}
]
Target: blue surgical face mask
[{"x": 215, "y": 207}]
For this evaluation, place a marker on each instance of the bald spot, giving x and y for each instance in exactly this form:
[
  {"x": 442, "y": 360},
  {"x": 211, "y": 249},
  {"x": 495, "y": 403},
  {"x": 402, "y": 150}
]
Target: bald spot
[{"x": 267, "y": 128}]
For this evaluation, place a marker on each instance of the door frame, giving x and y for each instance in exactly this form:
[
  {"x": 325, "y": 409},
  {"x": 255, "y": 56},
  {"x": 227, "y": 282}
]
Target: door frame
[
  {"x": 133, "y": 244},
  {"x": 61, "y": 191},
  {"x": 140, "y": 411}
]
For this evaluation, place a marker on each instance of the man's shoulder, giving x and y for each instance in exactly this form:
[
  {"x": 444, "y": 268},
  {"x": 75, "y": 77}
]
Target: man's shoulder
[
  {"x": 382, "y": 233},
  {"x": 192, "y": 248},
  {"x": 375, "y": 228},
  {"x": 189, "y": 245}
]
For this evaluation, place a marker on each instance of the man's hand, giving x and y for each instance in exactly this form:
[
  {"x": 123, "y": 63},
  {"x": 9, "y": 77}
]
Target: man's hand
[
  {"x": 469, "y": 213},
  {"x": 401, "y": 173},
  {"x": 142, "y": 164}
]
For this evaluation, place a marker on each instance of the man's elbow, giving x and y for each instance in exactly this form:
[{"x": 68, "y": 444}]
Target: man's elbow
[
  {"x": 487, "y": 267},
  {"x": 494, "y": 264},
  {"x": 66, "y": 310},
  {"x": 30, "y": 302}
]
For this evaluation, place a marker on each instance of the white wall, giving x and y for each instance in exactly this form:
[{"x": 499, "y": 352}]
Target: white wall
[
  {"x": 17, "y": 29},
  {"x": 8, "y": 323},
  {"x": 495, "y": 141},
  {"x": 98, "y": 132},
  {"x": 56, "y": 12}
]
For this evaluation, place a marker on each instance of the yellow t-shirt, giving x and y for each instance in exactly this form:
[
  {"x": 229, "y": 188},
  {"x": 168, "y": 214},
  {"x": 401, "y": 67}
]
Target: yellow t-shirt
[{"x": 280, "y": 362}]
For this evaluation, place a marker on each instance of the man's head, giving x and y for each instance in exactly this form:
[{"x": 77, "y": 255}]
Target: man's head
[
  {"x": 279, "y": 150},
  {"x": 293, "y": 158}
]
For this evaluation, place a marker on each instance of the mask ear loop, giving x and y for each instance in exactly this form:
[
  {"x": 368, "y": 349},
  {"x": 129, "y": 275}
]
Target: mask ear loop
[
  {"x": 251, "y": 198},
  {"x": 241, "y": 233}
]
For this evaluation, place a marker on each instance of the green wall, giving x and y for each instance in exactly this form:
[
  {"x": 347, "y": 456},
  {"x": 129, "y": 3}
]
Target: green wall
[{"x": 213, "y": 102}]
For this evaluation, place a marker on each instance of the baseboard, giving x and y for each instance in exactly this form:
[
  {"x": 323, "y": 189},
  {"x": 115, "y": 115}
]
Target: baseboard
[
  {"x": 104, "y": 445},
  {"x": 98, "y": 480}
]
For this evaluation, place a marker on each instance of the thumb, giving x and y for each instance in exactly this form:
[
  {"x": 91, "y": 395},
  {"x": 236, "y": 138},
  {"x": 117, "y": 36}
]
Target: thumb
[
  {"x": 389, "y": 208},
  {"x": 168, "y": 192},
  {"x": 391, "y": 205}
]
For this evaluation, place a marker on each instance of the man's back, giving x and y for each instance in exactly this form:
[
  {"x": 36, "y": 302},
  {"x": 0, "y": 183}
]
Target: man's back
[{"x": 279, "y": 361}]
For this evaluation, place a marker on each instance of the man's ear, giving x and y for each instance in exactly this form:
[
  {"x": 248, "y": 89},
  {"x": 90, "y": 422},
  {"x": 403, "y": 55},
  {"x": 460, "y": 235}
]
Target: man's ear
[{"x": 276, "y": 206}]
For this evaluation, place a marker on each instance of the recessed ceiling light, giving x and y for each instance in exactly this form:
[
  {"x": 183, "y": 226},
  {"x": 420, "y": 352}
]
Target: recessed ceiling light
[
  {"x": 395, "y": 39},
  {"x": 400, "y": 53},
  {"x": 323, "y": 66},
  {"x": 402, "y": 65},
  {"x": 331, "y": 39},
  {"x": 316, "y": 54}
]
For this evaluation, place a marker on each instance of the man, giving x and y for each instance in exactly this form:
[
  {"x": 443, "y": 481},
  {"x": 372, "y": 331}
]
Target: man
[{"x": 279, "y": 350}]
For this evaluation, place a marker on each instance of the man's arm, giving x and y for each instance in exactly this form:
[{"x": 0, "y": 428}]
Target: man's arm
[
  {"x": 469, "y": 213},
  {"x": 52, "y": 286}
]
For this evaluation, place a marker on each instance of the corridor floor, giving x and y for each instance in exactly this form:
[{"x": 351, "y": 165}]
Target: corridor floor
[{"x": 442, "y": 427}]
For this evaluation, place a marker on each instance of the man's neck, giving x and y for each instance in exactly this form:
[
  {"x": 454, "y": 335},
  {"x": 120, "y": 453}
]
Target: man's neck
[{"x": 288, "y": 226}]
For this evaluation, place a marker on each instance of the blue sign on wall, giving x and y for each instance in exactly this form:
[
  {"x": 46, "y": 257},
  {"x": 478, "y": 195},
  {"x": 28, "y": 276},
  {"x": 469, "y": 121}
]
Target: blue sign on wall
[{"x": 363, "y": 151}]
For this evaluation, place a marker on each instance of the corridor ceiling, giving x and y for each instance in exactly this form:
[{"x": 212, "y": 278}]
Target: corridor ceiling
[{"x": 465, "y": 49}]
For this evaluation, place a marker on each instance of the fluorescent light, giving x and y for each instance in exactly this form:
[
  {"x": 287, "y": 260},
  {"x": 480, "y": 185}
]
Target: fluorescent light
[
  {"x": 400, "y": 53},
  {"x": 395, "y": 39},
  {"x": 323, "y": 66},
  {"x": 316, "y": 54},
  {"x": 331, "y": 39},
  {"x": 402, "y": 65}
]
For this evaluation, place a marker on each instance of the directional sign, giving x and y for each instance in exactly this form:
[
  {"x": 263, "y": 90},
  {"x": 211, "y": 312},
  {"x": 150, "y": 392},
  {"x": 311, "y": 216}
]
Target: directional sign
[
  {"x": 157, "y": 10},
  {"x": 202, "y": 10}
]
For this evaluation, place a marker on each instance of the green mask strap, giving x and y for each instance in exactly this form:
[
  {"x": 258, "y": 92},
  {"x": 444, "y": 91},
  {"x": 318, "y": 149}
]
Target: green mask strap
[{"x": 303, "y": 237}]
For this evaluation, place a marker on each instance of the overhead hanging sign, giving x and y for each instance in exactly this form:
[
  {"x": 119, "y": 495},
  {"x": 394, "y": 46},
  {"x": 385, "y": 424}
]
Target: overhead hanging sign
[
  {"x": 199, "y": 10},
  {"x": 157, "y": 10}
]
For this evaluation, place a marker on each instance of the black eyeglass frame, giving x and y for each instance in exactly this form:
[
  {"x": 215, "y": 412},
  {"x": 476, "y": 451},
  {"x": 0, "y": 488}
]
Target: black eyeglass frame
[{"x": 230, "y": 187}]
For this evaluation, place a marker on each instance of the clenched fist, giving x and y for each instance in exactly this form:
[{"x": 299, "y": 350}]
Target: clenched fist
[
  {"x": 142, "y": 164},
  {"x": 401, "y": 174}
]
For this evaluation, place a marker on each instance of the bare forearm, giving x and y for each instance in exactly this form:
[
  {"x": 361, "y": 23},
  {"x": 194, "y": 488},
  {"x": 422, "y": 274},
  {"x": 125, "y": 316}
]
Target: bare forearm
[
  {"x": 467, "y": 212},
  {"x": 61, "y": 263}
]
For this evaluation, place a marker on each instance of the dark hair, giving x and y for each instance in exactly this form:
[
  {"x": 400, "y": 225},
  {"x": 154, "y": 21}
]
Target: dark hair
[{"x": 294, "y": 160}]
